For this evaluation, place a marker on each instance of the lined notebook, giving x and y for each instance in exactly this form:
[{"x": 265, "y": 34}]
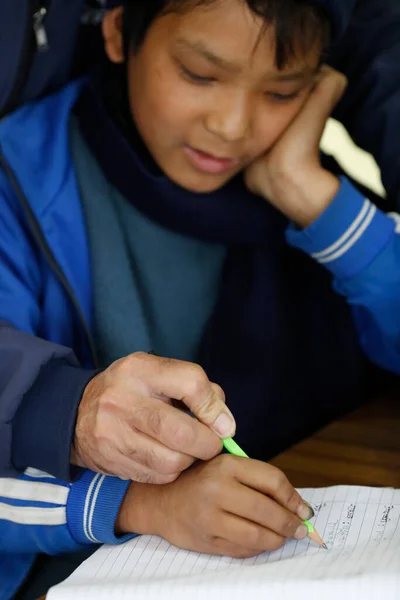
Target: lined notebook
[{"x": 360, "y": 525}]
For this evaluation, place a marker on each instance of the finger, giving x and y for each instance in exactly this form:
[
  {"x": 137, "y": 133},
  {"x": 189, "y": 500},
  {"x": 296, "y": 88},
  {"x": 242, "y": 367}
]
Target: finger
[
  {"x": 151, "y": 454},
  {"x": 188, "y": 383},
  {"x": 311, "y": 121},
  {"x": 334, "y": 82},
  {"x": 122, "y": 467},
  {"x": 270, "y": 481},
  {"x": 247, "y": 534},
  {"x": 172, "y": 429},
  {"x": 265, "y": 514},
  {"x": 325, "y": 96}
]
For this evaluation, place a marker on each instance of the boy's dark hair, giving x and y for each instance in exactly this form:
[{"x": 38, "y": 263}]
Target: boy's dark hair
[{"x": 299, "y": 24}]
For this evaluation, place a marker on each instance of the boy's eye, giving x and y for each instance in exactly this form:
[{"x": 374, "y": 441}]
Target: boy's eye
[
  {"x": 283, "y": 97},
  {"x": 195, "y": 78}
]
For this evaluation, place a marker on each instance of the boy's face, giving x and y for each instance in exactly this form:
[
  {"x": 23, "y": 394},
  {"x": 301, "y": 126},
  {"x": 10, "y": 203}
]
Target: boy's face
[{"x": 205, "y": 93}]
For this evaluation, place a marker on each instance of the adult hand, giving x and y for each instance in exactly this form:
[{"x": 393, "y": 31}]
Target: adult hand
[
  {"x": 128, "y": 427},
  {"x": 290, "y": 175},
  {"x": 230, "y": 506}
]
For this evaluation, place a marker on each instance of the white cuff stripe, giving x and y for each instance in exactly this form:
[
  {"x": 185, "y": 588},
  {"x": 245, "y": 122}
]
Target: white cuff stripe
[
  {"x": 352, "y": 240},
  {"x": 347, "y": 234},
  {"x": 396, "y": 219},
  {"x": 38, "y": 474},
  {"x": 22, "y": 515},
  {"x": 33, "y": 491},
  {"x": 86, "y": 507},
  {"x": 94, "y": 500},
  {"x": 90, "y": 505}
]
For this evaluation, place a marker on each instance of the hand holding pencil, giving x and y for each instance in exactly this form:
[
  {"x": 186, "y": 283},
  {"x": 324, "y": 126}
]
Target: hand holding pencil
[
  {"x": 233, "y": 448},
  {"x": 227, "y": 506}
]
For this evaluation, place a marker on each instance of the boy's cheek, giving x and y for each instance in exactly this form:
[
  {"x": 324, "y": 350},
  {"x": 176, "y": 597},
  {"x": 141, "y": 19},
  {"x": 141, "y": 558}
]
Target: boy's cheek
[{"x": 270, "y": 126}]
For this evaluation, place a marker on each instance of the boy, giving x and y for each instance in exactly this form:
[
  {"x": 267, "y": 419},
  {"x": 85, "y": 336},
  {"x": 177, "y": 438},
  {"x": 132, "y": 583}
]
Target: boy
[{"x": 158, "y": 196}]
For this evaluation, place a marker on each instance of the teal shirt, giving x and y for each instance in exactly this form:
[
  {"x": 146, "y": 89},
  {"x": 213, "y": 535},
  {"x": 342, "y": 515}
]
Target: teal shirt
[{"x": 153, "y": 288}]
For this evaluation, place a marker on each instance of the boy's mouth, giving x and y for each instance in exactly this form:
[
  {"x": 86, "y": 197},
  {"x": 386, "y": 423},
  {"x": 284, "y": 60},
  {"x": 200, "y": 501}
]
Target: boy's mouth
[{"x": 207, "y": 163}]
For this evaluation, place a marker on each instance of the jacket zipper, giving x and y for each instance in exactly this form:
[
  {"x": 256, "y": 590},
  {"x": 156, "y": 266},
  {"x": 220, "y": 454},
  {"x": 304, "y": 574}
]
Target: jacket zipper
[
  {"x": 39, "y": 14},
  {"x": 48, "y": 254},
  {"x": 35, "y": 41}
]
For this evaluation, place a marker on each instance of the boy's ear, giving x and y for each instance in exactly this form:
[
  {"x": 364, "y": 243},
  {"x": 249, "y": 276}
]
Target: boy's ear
[{"x": 112, "y": 33}]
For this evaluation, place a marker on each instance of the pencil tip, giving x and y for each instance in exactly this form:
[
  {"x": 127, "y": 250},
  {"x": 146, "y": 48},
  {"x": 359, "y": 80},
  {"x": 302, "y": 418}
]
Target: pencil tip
[{"x": 325, "y": 547}]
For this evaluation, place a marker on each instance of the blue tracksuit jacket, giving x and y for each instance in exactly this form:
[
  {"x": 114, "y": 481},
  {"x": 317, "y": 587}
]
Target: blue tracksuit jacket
[{"x": 46, "y": 351}]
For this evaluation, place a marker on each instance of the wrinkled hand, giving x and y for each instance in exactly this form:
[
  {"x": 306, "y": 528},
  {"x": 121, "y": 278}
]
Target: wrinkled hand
[
  {"x": 230, "y": 506},
  {"x": 290, "y": 175},
  {"x": 128, "y": 427}
]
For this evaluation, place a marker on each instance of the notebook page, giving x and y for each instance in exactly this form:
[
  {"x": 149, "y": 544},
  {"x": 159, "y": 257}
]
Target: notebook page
[{"x": 361, "y": 527}]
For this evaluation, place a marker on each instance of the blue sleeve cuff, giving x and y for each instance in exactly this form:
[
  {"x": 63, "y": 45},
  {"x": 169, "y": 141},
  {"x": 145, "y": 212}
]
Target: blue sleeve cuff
[
  {"x": 44, "y": 425},
  {"x": 93, "y": 507},
  {"x": 348, "y": 235}
]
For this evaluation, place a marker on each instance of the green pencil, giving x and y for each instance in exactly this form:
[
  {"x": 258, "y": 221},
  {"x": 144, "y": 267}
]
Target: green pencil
[{"x": 235, "y": 449}]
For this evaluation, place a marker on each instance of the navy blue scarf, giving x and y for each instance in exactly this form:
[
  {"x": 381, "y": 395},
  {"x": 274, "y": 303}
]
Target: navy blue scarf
[{"x": 281, "y": 343}]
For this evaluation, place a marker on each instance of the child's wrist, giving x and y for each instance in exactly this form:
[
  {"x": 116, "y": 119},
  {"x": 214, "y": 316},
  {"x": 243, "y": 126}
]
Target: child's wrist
[
  {"x": 314, "y": 197},
  {"x": 138, "y": 512},
  {"x": 302, "y": 196}
]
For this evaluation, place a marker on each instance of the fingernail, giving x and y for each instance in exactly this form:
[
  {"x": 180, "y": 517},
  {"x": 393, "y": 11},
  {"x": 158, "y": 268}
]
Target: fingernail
[
  {"x": 301, "y": 532},
  {"x": 224, "y": 426},
  {"x": 306, "y": 511}
]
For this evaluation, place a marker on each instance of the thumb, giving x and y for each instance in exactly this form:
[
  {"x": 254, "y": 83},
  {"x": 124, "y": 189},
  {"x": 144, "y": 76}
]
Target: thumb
[
  {"x": 210, "y": 408},
  {"x": 188, "y": 383}
]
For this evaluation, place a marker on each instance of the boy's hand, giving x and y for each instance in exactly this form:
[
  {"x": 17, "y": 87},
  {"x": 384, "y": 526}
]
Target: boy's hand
[
  {"x": 230, "y": 506},
  {"x": 128, "y": 427},
  {"x": 290, "y": 176}
]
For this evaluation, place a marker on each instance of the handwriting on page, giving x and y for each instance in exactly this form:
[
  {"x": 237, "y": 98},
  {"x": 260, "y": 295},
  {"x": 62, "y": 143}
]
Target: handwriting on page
[{"x": 361, "y": 527}]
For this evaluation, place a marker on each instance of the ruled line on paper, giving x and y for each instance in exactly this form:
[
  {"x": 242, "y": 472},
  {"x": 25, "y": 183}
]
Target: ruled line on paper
[{"x": 354, "y": 522}]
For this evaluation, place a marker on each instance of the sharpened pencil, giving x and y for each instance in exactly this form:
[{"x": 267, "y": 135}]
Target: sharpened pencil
[{"x": 314, "y": 535}]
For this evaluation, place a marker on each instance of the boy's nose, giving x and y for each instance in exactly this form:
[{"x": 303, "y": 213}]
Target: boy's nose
[{"x": 229, "y": 120}]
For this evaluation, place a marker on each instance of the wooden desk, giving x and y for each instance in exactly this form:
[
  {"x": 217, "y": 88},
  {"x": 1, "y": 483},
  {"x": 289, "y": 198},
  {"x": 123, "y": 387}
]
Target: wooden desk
[{"x": 363, "y": 448}]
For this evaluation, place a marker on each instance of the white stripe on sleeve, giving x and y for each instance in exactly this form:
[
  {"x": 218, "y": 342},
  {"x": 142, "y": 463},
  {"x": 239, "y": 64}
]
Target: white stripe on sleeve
[
  {"x": 347, "y": 234},
  {"x": 396, "y": 219},
  {"x": 38, "y": 474},
  {"x": 23, "y": 515},
  {"x": 88, "y": 510},
  {"x": 353, "y": 240},
  {"x": 92, "y": 509},
  {"x": 33, "y": 491}
]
